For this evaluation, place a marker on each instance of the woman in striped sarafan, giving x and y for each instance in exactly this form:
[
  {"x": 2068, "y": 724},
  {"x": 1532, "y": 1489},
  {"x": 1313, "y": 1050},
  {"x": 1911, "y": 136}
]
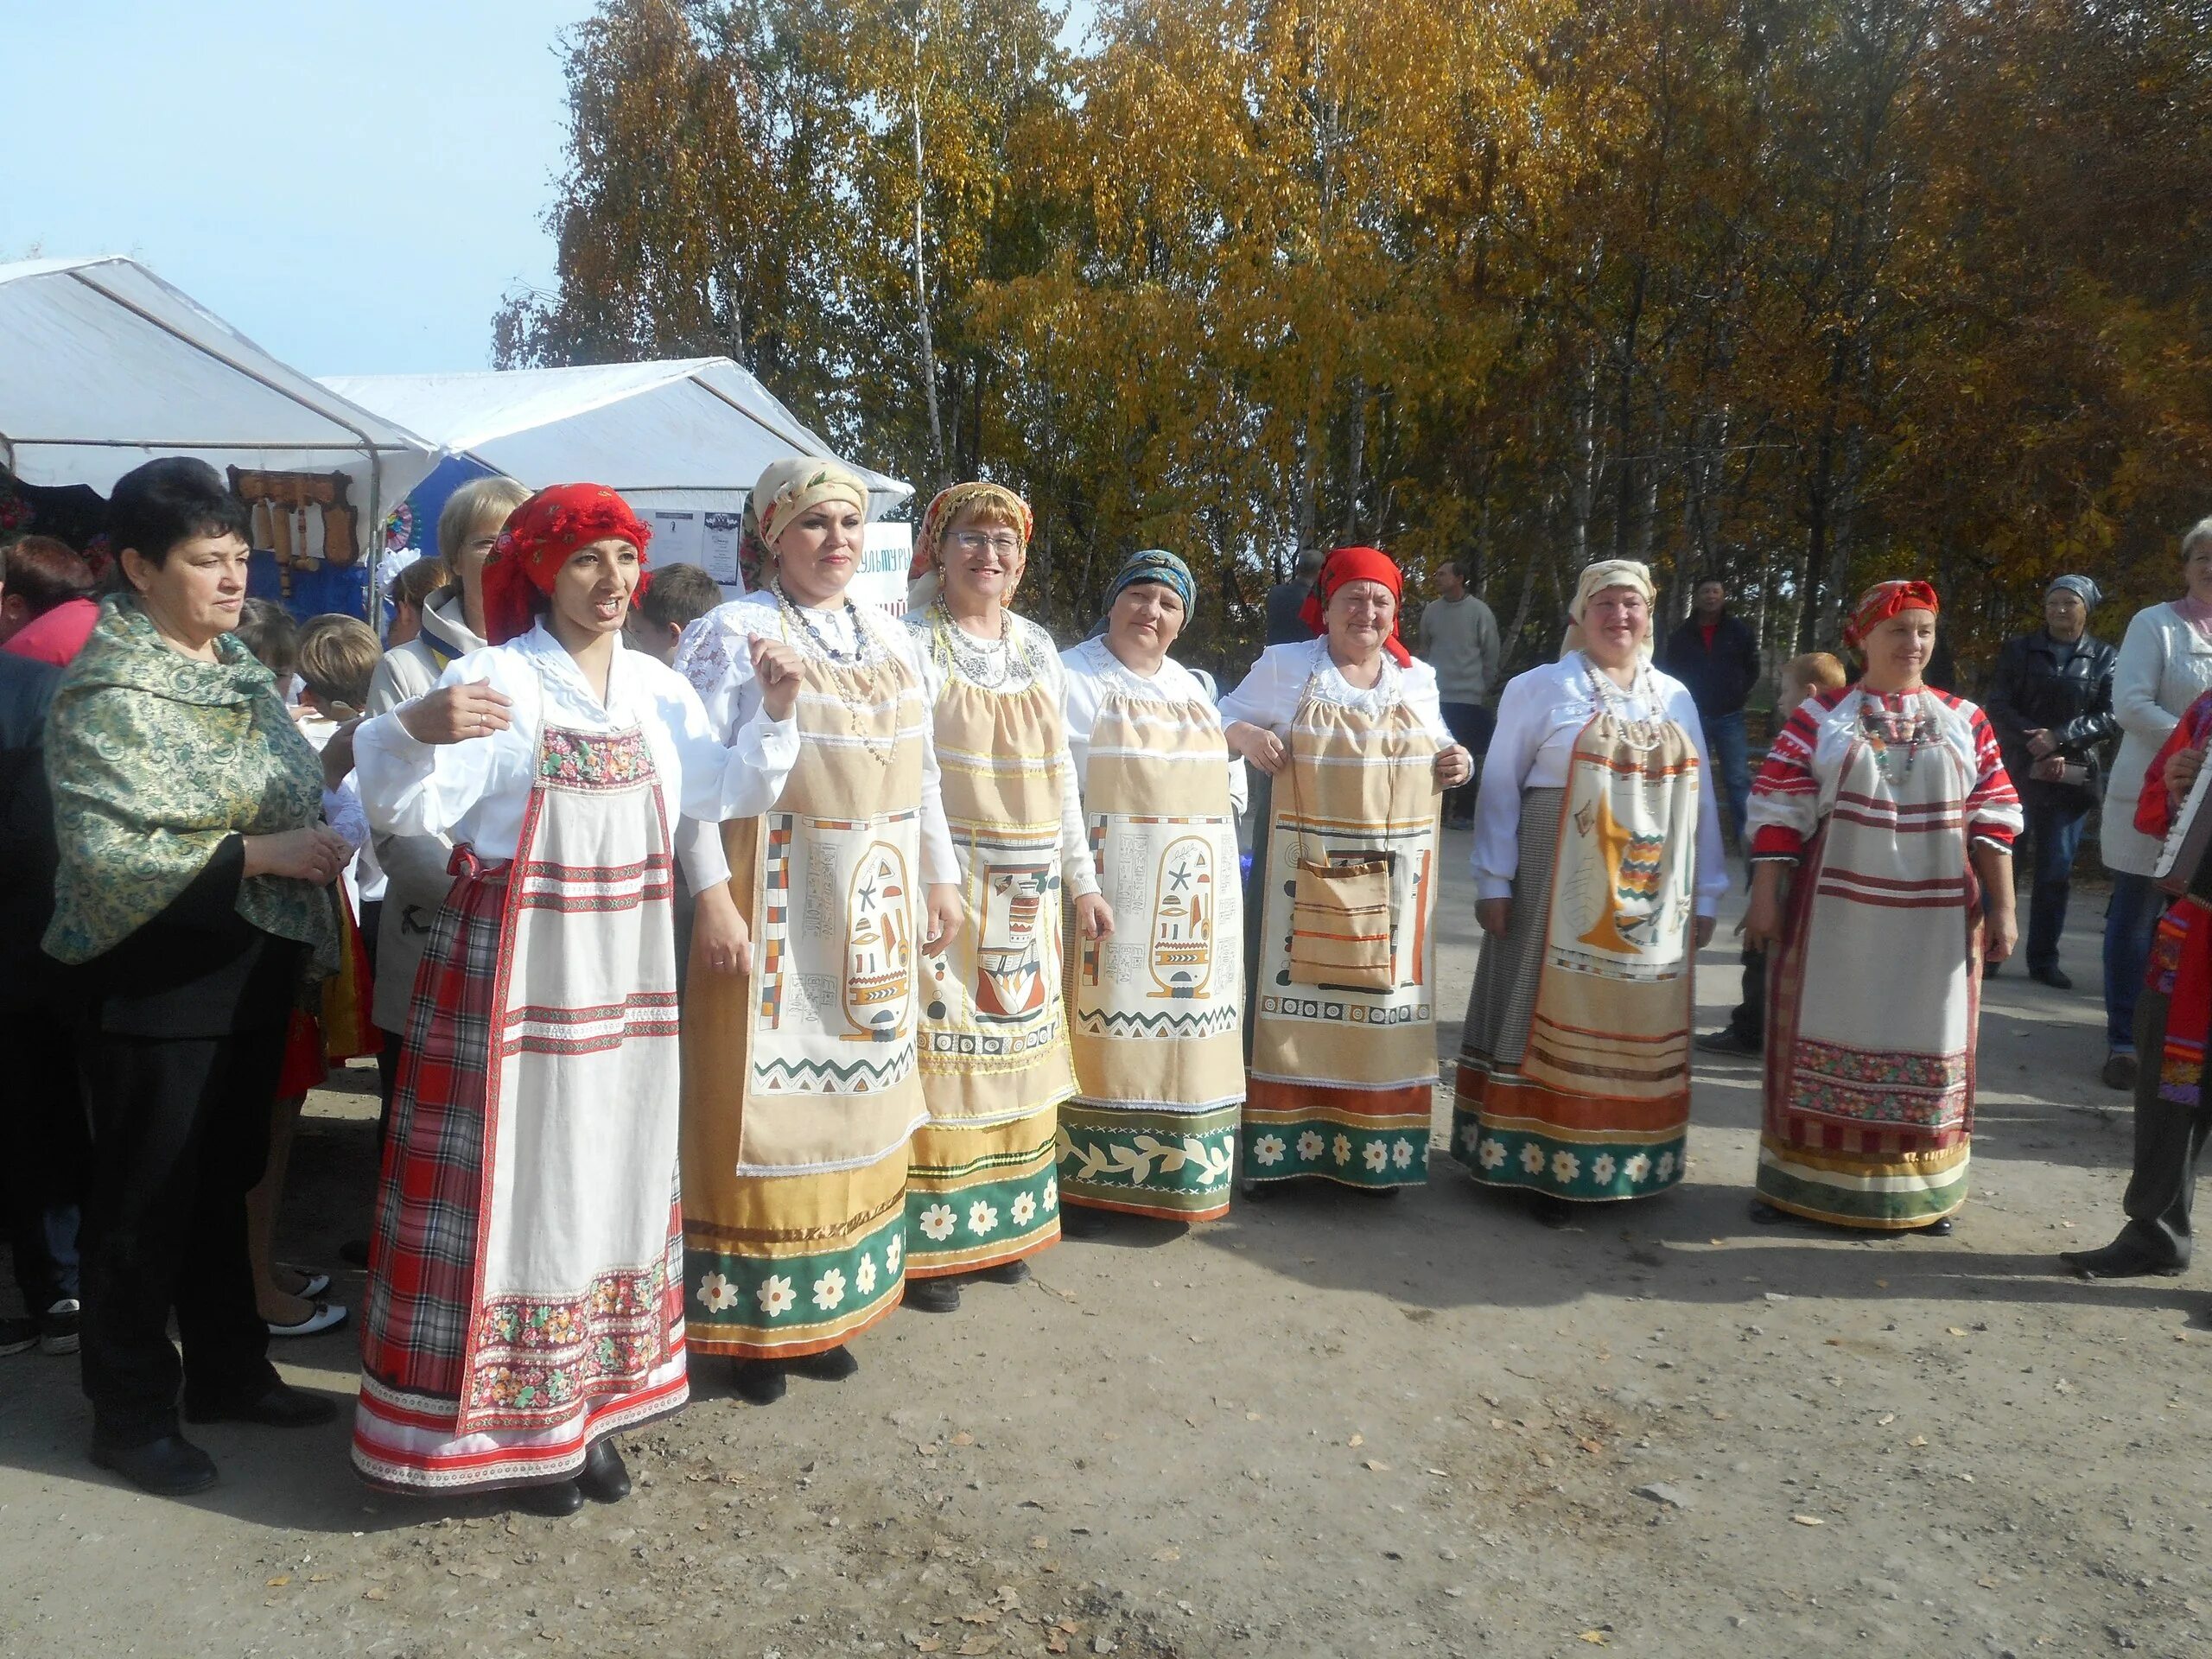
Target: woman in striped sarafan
[
  {"x": 1881, "y": 880},
  {"x": 525, "y": 1297}
]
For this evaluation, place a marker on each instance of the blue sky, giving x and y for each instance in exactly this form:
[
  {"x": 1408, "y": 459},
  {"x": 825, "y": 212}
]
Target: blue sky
[{"x": 354, "y": 185}]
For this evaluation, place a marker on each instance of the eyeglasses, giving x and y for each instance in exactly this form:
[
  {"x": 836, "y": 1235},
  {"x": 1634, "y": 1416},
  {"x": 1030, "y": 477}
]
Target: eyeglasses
[{"x": 976, "y": 541}]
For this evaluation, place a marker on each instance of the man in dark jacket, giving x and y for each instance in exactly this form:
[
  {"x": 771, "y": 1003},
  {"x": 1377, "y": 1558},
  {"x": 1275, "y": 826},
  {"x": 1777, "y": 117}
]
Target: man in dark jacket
[
  {"x": 2051, "y": 700},
  {"x": 42, "y": 1134},
  {"x": 1286, "y": 599},
  {"x": 1716, "y": 656}
]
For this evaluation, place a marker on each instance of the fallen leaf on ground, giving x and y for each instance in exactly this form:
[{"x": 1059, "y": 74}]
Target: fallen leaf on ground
[
  {"x": 1378, "y": 1466},
  {"x": 1957, "y": 1330},
  {"x": 1356, "y": 1440},
  {"x": 963, "y": 1438},
  {"x": 1039, "y": 1542},
  {"x": 280, "y": 1581},
  {"x": 1885, "y": 1420},
  {"x": 1595, "y": 1638},
  {"x": 1917, "y": 1440},
  {"x": 1171, "y": 1553},
  {"x": 1808, "y": 1520},
  {"x": 925, "y": 1643},
  {"x": 975, "y": 1644}
]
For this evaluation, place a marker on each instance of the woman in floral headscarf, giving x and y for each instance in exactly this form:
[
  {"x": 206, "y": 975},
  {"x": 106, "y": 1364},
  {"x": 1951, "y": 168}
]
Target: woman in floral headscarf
[
  {"x": 1342, "y": 1015},
  {"x": 525, "y": 1298},
  {"x": 1154, "y": 1013},
  {"x": 800, "y": 1091},
  {"x": 1884, "y": 811},
  {"x": 982, "y": 1194}
]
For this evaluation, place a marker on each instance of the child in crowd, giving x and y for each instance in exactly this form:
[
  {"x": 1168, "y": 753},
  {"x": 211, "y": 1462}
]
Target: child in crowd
[
  {"x": 1745, "y": 1032},
  {"x": 411, "y": 589},
  {"x": 266, "y": 629},
  {"x": 678, "y": 596}
]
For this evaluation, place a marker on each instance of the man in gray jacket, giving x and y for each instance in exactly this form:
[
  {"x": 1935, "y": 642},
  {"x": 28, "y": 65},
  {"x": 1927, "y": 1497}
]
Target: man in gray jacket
[{"x": 1459, "y": 640}]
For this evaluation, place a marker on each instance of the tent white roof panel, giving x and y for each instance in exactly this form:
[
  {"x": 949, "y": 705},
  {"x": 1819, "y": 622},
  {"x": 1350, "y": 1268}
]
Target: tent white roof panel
[
  {"x": 103, "y": 365},
  {"x": 690, "y": 432}
]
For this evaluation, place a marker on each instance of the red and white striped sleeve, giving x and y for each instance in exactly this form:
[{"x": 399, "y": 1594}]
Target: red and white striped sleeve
[
  {"x": 1786, "y": 795},
  {"x": 1993, "y": 814}
]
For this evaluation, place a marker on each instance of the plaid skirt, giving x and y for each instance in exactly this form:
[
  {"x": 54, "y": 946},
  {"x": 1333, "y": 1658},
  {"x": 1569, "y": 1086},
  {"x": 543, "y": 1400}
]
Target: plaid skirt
[{"x": 423, "y": 1251}]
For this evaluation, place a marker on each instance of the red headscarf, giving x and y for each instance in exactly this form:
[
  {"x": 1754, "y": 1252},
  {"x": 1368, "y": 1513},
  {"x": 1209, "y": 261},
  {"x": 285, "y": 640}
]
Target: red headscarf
[
  {"x": 1358, "y": 564},
  {"x": 536, "y": 541},
  {"x": 1881, "y": 603}
]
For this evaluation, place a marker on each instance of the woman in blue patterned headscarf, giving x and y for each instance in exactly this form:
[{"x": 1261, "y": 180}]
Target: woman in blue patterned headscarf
[{"x": 1154, "y": 1011}]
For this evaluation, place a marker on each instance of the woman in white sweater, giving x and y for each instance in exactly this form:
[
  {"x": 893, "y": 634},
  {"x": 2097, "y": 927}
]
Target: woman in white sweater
[{"x": 2165, "y": 663}]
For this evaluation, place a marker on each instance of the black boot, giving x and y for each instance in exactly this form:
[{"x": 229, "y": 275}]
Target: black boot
[
  {"x": 2125, "y": 1257},
  {"x": 830, "y": 1365},
  {"x": 1080, "y": 1221},
  {"x": 761, "y": 1381},
  {"x": 934, "y": 1295},
  {"x": 555, "y": 1498},
  {"x": 604, "y": 1478},
  {"x": 278, "y": 1405},
  {"x": 1007, "y": 1273}
]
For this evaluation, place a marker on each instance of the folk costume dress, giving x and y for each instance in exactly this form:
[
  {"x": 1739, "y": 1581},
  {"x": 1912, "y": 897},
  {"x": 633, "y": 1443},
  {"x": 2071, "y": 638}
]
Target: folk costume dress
[
  {"x": 983, "y": 1189},
  {"x": 1156, "y": 1012},
  {"x": 1598, "y": 818},
  {"x": 523, "y": 1296},
  {"x": 800, "y": 1086},
  {"x": 1342, "y": 1077},
  {"x": 1874, "y": 997}
]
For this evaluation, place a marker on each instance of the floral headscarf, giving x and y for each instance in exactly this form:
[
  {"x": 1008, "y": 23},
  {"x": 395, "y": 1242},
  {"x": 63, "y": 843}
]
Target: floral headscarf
[
  {"x": 945, "y": 507},
  {"x": 784, "y": 490}
]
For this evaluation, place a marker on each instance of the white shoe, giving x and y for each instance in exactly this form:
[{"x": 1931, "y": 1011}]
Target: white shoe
[
  {"x": 328, "y": 1316},
  {"x": 58, "y": 1330}
]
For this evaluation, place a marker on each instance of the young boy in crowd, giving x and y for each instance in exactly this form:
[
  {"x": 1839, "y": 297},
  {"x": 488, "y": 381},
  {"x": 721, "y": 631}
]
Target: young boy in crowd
[
  {"x": 1745, "y": 1032},
  {"x": 678, "y": 596}
]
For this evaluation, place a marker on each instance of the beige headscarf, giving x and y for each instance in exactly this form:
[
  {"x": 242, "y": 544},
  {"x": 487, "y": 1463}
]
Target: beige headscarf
[
  {"x": 784, "y": 490},
  {"x": 1596, "y": 578}
]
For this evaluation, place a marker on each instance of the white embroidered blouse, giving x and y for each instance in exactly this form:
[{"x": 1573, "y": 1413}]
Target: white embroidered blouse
[
  {"x": 1540, "y": 715},
  {"x": 715, "y": 657},
  {"x": 476, "y": 792}
]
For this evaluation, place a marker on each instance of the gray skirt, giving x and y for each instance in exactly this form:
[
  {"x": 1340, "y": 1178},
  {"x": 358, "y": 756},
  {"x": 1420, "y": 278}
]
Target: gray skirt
[{"x": 1504, "y": 1000}]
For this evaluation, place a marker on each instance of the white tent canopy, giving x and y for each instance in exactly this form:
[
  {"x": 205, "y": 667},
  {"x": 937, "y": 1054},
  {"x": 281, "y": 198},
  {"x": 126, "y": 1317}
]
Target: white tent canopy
[
  {"x": 691, "y": 433},
  {"x": 104, "y": 366}
]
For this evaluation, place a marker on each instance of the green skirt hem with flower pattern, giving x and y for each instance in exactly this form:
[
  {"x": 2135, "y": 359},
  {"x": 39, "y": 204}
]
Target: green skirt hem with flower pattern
[
  {"x": 1329, "y": 1149},
  {"x": 787, "y": 1306},
  {"x": 1587, "y": 1174},
  {"x": 962, "y": 1221}
]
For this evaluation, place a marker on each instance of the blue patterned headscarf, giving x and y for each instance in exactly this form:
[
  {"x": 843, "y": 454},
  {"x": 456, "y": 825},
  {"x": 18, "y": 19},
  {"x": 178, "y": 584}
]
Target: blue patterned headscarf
[
  {"x": 2080, "y": 587},
  {"x": 1155, "y": 564}
]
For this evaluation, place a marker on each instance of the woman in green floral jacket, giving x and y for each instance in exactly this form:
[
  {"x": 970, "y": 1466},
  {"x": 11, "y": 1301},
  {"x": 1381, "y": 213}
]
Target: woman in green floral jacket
[{"x": 193, "y": 886}]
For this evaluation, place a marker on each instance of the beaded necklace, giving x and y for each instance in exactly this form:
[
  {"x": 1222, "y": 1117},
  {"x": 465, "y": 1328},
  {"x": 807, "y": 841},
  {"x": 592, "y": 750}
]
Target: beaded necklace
[
  {"x": 849, "y": 673},
  {"x": 1889, "y": 731},
  {"x": 1642, "y": 733},
  {"x": 1004, "y": 663}
]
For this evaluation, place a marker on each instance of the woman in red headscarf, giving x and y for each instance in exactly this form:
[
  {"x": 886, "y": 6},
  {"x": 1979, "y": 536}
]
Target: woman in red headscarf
[
  {"x": 1342, "y": 1021},
  {"x": 1884, "y": 811},
  {"x": 525, "y": 1276}
]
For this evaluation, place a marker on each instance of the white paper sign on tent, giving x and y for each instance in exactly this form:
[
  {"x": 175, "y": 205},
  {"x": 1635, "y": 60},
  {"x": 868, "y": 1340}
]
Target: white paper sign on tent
[{"x": 881, "y": 580}]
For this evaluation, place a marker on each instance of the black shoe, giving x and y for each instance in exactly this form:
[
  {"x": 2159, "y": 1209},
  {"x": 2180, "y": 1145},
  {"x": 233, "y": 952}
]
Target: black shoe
[
  {"x": 1727, "y": 1040},
  {"x": 1007, "y": 1273},
  {"x": 355, "y": 1252},
  {"x": 58, "y": 1327},
  {"x": 278, "y": 1405},
  {"x": 555, "y": 1498},
  {"x": 830, "y": 1365},
  {"x": 1552, "y": 1211},
  {"x": 2054, "y": 976},
  {"x": 18, "y": 1336},
  {"x": 2119, "y": 1070},
  {"x": 1767, "y": 1216},
  {"x": 169, "y": 1467},
  {"x": 1940, "y": 1228},
  {"x": 2122, "y": 1259},
  {"x": 1081, "y": 1221},
  {"x": 604, "y": 1480},
  {"x": 1259, "y": 1191},
  {"x": 761, "y": 1381},
  {"x": 1991, "y": 966},
  {"x": 934, "y": 1295}
]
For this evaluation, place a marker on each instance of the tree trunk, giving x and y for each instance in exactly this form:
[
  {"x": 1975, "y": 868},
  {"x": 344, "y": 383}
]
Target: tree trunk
[{"x": 921, "y": 272}]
